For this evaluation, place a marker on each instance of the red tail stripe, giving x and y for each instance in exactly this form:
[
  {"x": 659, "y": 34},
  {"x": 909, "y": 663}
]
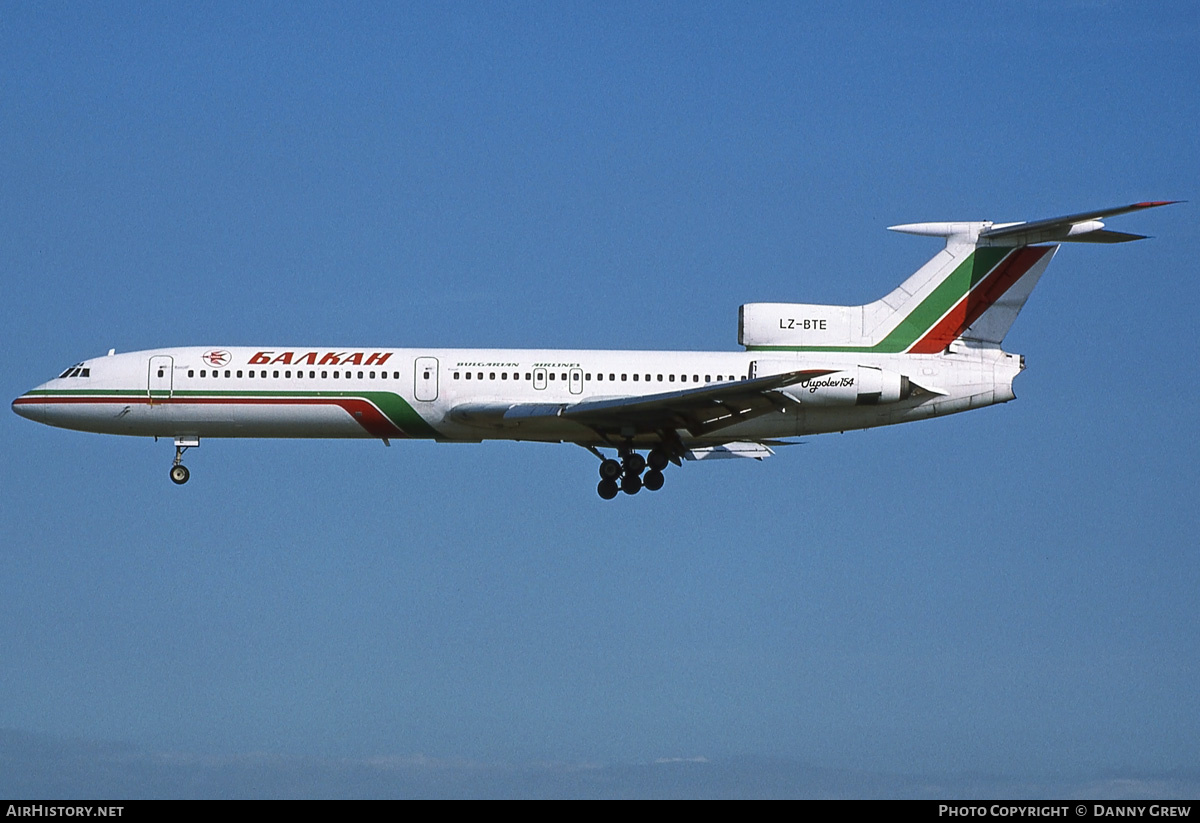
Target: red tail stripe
[{"x": 979, "y": 299}]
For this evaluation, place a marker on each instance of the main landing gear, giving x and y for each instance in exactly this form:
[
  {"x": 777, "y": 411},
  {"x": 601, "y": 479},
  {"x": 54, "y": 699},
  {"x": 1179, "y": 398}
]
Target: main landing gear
[
  {"x": 627, "y": 474},
  {"x": 179, "y": 472}
]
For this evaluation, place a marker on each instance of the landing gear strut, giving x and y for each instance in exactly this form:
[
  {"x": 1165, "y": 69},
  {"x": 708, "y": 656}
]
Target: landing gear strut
[{"x": 179, "y": 472}]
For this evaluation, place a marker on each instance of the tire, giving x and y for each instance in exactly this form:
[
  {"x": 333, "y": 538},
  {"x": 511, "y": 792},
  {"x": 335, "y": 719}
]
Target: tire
[
  {"x": 610, "y": 470},
  {"x": 631, "y": 484},
  {"x": 657, "y": 459},
  {"x": 180, "y": 475},
  {"x": 607, "y": 489},
  {"x": 634, "y": 464},
  {"x": 653, "y": 480}
]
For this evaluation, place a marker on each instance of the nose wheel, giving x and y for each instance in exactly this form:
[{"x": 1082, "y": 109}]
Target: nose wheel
[{"x": 179, "y": 472}]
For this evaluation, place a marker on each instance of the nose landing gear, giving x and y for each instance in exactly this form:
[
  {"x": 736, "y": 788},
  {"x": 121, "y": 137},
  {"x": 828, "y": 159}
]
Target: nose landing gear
[{"x": 179, "y": 472}]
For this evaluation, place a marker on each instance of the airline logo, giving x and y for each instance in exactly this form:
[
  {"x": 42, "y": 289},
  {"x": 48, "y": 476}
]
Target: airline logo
[
  {"x": 217, "y": 357},
  {"x": 316, "y": 358}
]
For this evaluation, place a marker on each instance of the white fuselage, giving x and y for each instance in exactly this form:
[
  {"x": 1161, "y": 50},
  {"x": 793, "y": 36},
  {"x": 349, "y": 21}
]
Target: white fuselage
[{"x": 391, "y": 393}]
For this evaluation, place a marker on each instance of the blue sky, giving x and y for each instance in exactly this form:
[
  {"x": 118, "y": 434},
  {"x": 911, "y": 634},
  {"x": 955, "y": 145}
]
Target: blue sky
[{"x": 1009, "y": 592}]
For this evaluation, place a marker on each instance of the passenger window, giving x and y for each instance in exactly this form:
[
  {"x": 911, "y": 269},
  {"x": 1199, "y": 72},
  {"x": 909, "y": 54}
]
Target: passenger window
[
  {"x": 491, "y": 375},
  {"x": 670, "y": 378},
  {"x": 660, "y": 378},
  {"x": 708, "y": 378},
  {"x": 191, "y": 372},
  {"x": 160, "y": 372},
  {"x": 564, "y": 375},
  {"x": 276, "y": 373},
  {"x": 456, "y": 375},
  {"x": 468, "y": 375},
  {"x": 204, "y": 372},
  {"x": 227, "y": 373},
  {"x": 551, "y": 375},
  {"x": 239, "y": 372},
  {"x": 287, "y": 373}
]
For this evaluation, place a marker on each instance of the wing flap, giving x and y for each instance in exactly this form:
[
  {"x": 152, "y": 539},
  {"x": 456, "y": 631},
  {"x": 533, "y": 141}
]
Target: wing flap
[
  {"x": 757, "y": 451},
  {"x": 699, "y": 411}
]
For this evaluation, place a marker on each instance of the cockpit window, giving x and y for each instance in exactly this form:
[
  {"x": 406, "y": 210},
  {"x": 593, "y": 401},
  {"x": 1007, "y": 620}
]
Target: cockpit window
[{"x": 76, "y": 371}]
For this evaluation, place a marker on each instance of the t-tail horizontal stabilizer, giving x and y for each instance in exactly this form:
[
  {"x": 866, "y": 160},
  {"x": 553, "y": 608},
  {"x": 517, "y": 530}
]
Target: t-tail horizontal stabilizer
[{"x": 1073, "y": 228}]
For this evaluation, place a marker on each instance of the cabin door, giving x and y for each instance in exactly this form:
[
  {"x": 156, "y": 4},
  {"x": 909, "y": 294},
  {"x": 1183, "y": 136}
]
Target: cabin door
[
  {"x": 425, "y": 383},
  {"x": 160, "y": 379}
]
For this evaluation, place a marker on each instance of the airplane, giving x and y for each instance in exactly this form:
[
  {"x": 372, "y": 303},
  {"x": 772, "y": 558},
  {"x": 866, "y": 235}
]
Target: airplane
[{"x": 931, "y": 347}]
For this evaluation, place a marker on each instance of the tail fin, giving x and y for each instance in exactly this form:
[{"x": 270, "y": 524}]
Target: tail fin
[{"x": 972, "y": 289}]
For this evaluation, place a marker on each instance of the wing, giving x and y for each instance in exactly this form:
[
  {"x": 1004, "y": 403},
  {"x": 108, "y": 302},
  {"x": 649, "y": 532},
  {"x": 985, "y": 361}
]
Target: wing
[{"x": 700, "y": 411}]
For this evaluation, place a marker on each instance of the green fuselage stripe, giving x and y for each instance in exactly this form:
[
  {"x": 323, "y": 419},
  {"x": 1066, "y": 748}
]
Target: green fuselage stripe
[{"x": 393, "y": 406}]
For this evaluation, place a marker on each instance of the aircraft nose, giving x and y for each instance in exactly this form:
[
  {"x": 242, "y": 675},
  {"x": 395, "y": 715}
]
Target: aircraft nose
[{"x": 30, "y": 407}]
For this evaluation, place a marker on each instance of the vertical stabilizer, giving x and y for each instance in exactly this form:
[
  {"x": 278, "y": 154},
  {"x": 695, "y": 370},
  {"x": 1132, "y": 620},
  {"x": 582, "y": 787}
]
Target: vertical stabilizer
[{"x": 972, "y": 289}]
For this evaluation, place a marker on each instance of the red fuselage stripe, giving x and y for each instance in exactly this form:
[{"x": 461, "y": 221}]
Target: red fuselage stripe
[{"x": 363, "y": 412}]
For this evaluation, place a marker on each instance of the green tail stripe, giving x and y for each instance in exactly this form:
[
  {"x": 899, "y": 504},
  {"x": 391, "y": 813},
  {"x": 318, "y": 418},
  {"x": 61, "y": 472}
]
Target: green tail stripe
[
  {"x": 942, "y": 299},
  {"x": 921, "y": 319}
]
